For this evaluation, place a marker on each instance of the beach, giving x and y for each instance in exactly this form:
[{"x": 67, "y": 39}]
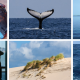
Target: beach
[{"x": 61, "y": 70}]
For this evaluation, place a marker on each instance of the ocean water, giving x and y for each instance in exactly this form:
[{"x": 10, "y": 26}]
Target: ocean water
[
  {"x": 76, "y": 61},
  {"x": 76, "y": 27},
  {"x": 3, "y": 76},
  {"x": 52, "y": 28}
]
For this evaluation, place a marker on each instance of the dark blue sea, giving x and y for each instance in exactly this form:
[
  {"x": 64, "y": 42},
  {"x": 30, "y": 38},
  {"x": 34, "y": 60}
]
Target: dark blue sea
[
  {"x": 52, "y": 28},
  {"x": 76, "y": 27},
  {"x": 3, "y": 76},
  {"x": 76, "y": 61}
]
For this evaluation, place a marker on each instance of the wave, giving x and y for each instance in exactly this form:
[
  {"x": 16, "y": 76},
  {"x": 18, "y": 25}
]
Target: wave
[{"x": 32, "y": 28}]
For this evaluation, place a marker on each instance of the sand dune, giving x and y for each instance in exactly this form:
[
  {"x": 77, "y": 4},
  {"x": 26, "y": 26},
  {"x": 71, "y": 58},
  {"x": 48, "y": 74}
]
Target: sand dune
[{"x": 61, "y": 70}]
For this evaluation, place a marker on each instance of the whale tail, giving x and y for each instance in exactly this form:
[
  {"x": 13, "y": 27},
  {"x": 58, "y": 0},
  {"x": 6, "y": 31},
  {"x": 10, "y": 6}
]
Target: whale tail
[{"x": 40, "y": 16}]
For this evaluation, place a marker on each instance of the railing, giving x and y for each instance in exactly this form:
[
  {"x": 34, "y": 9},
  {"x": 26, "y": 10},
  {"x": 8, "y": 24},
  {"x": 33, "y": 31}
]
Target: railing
[
  {"x": 4, "y": 67},
  {"x": 1, "y": 67}
]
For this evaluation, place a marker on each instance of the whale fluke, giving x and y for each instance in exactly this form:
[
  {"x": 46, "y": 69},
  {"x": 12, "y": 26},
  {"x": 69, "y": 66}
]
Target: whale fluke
[{"x": 40, "y": 16}]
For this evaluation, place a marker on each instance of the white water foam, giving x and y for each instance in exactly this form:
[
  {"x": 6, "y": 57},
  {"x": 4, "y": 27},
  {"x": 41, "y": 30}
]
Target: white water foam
[{"x": 33, "y": 28}]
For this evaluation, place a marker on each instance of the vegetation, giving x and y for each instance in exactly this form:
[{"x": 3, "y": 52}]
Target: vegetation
[
  {"x": 41, "y": 71},
  {"x": 29, "y": 64},
  {"x": 24, "y": 75},
  {"x": 38, "y": 74},
  {"x": 59, "y": 56},
  {"x": 34, "y": 63},
  {"x": 52, "y": 57},
  {"x": 43, "y": 77},
  {"x": 37, "y": 64},
  {"x": 47, "y": 61}
]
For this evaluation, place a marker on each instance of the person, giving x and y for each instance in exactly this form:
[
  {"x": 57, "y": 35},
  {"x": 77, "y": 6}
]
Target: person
[
  {"x": 3, "y": 22},
  {"x": 5, "y": 36}
]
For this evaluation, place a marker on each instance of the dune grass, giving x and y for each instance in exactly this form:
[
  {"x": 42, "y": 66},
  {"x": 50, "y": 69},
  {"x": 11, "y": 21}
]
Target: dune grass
[
  {"x": 24, "y": 75},
  {"x": 47, "y": 61},
  {"x": 41, "y": 65},
  {"x": 43, "y": 77},
  {"x": 52, "y": 57},
  {"x": 34, "y": 64},
  {"x": 29, "y": 65},
  {"x": 59, "y": 56}
]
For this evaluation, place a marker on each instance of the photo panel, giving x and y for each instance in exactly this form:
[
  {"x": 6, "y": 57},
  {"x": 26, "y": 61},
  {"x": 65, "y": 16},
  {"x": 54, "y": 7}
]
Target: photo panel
[
  {"x": 76, "y": 19},
  {"x": 40, "y": 19},
  {"x": 76, "y": 60},
  {"x": 3, "y": 60},
  {"x": 3, "y": 19},
  {"x": 33, "y": 60}
]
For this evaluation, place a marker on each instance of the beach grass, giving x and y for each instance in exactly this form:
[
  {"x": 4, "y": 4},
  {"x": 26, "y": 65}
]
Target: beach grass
[
  {"x": 45, "y": 60},
  {"x": 59, "y": 56},
  {"x": 24, "y": 75},
  {"x": 39, "y": 63},
  {"x": 52, "y": 57}
]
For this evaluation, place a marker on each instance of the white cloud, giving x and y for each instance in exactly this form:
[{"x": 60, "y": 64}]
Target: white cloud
[
  {"x": 12, "y": 45},
  {"x": 35, "y": 44},
  {"x": 13, "y": 50},
  {"x": 27, "y": 52},
  {"x": 24, "y": 45},
  {"x": 36, "y": 50},
  {"x": 63, "y": 44}
]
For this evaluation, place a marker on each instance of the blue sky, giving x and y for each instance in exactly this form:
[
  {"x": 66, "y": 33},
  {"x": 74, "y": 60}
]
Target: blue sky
[
  {"x": 21, "y": 52},
  {"x": 2, "y": 44},
  {"x": 18, "y": 8},
  {"x": 76, "y": 42},
  {"x": 76, "y": 7}
]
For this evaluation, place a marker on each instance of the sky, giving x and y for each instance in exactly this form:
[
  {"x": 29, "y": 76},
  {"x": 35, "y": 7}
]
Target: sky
[
  {"x": 76, "y": 7},
  {"x": 18, "y": 8},
  {"x": 76, "y": 42},
  {"x": 2, "y": 45},
  {"x": 21, "y": 52}
]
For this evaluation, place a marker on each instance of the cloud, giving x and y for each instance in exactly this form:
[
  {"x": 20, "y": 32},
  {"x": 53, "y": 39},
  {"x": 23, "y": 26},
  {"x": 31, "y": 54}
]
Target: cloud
[
  {"x": 14, "y": 51},
  {"x": 30, "y": 50},
  {"x": 35, "y": 44},
  {"x": 27, "y": 52},
  {"x": 12, "y": 47},
  {"x": 36, "y": 50},
  {"x": 62, "y": 44}
]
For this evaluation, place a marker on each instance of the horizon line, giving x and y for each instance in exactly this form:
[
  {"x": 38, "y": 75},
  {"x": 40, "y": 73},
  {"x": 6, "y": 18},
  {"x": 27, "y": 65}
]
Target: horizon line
[{"x": 46, "y": 18}]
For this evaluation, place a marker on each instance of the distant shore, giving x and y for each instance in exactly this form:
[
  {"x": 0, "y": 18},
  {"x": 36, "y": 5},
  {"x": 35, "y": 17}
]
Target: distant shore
[{"x": 59, "y": 71}]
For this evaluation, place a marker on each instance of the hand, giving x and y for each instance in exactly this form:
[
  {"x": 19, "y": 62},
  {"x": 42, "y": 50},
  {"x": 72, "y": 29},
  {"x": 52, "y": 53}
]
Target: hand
[{"x": 5, "y": 36}]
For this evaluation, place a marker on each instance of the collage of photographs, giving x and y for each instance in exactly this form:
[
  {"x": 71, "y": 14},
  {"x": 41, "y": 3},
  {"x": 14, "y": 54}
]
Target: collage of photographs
[{"x": 39, "y": 40}]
